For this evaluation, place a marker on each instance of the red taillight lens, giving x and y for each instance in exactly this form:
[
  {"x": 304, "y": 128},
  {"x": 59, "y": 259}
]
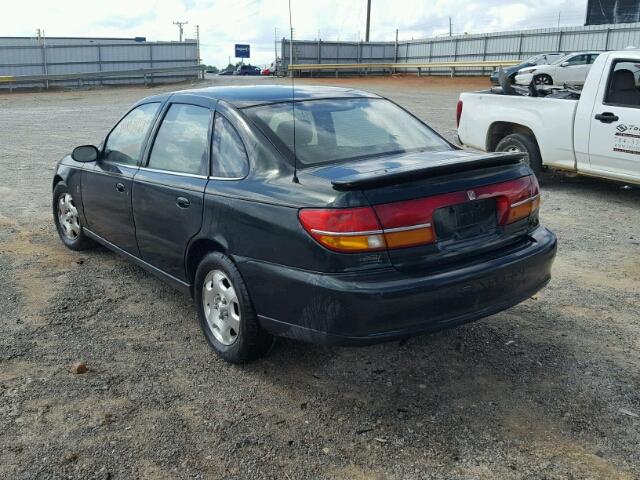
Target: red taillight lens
[
  {"x": 409, "y": 223},
  {"x": 519, "y": 200},
  {"x": 345, "y": 229},
  {"x": 458, "y": 113}
]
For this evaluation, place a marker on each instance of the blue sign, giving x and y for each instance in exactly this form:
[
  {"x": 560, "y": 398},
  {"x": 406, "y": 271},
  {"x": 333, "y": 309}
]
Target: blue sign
[{"x": 242, "y": 51}]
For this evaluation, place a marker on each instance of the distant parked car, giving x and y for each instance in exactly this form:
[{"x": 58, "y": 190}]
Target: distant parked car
[
  {"x": 247, "y": 70},
  {"x": 572, "y": 69},
  {"x": 541, "y": 59},
  {"x": 266, "y": 71}
]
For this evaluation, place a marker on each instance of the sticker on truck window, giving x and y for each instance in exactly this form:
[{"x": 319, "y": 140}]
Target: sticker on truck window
[{"x": 627, "y": 139}]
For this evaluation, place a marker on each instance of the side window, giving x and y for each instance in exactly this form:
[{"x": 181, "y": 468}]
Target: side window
[
  {"x": 229, "y": 156},
  {"x": 181, "y": 142},
  {"x": 126, "y": 140},
  {"x": 592, "y": 57},
  {"x": 578, "y": 60},
  {"x": 622, "y": 87}
]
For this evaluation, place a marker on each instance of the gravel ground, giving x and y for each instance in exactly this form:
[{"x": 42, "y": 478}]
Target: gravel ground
[{"x": 546, "y": 390}]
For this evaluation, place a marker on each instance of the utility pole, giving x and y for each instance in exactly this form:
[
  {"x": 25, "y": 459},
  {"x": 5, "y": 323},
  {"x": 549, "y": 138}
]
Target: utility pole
[
  {"x": 450, "y": 27},
  {"x": 559, "y": 13},
  {"x": 198, "y": 43},
  {"x": 180, "y": 27},
  {"x": 366, "y": 37}
]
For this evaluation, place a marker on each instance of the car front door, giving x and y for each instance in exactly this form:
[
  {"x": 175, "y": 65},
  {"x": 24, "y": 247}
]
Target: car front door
[
  {"x": 168, "y": 190},
  {"x": 574, "y": 70},
  {"x": 106, "y": 185},
  {"x": 614, "y": 140}
]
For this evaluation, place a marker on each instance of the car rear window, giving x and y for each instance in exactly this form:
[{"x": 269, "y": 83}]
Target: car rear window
[{"x": 333, "y": 130}]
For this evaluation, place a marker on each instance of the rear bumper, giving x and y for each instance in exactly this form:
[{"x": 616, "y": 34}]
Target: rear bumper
[{"x": 373, "y": 307}]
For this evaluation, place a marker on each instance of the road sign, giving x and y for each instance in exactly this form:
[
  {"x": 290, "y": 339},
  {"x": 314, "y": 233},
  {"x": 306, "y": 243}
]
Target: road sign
[{"x": 242, "y": 51}]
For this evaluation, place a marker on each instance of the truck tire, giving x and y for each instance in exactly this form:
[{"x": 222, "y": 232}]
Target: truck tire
[
  {"x": 518, "y": 142},
  {"x": 543, "y": 79}
]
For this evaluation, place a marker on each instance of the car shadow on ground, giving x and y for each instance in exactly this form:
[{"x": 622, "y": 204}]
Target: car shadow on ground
[{"x": 584, "y": 185}]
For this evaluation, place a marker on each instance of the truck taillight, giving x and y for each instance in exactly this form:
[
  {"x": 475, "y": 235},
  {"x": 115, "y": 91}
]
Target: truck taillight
[
  {"x": 410, "y": 223},
  {"x": 458, "y": 113}
]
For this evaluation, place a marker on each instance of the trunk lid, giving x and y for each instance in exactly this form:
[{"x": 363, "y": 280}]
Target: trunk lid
[{"x": 459, "y": 192}]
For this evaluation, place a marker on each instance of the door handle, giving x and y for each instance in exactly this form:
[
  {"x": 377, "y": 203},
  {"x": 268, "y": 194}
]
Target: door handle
[
  {"x": 183, "y": 202},
  {"x": 607, "y": 117},
  {"x": 120, "y": 187}
]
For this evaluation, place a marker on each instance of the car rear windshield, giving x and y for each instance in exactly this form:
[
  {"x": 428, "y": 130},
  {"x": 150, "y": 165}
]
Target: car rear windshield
[{"x": 334, "y": 130}]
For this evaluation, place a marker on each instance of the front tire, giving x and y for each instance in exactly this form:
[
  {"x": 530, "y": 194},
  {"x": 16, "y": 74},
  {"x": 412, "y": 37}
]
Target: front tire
[
  {"x": 225, "y": 311},
  {"x": 543, "y": 79},
  {"x": 67, "y": 220},
  {"x": 520, "y": 143}
]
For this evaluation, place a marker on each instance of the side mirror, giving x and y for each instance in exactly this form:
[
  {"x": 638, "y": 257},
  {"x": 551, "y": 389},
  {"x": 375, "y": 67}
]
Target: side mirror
[
  {"x": 85, "y": 153},
  {"x": 564, "y": 64}
]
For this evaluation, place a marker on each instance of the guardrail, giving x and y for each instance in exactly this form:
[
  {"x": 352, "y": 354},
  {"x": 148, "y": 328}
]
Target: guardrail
[
  {"x": 310, "y": 67},
  {"x": 141, "y": 73}
]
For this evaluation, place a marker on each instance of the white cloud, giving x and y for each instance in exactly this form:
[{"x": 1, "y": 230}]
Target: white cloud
[{"x": 225, "y": 22}]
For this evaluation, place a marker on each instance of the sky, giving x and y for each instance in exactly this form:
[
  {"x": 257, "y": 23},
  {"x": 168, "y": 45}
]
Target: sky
[{"x": 258, "y": 22}]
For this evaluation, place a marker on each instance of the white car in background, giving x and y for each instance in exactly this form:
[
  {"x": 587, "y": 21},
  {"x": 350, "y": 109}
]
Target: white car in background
[{"x": 572, "y": 69}]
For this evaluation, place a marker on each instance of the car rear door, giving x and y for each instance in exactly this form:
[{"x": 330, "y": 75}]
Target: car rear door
[
  {"x": 168, "y": 189},
  {"x": 614, "y": 140},
  {"x": 106, "y": 185}
]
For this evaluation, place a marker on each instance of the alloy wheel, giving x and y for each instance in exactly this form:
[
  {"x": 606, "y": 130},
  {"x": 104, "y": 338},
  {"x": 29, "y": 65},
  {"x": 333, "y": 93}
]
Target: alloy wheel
[
  {"x": 221, "y": 307},
  {"x": 68, "y": 217},
  {"x": 515, "y": 149}
]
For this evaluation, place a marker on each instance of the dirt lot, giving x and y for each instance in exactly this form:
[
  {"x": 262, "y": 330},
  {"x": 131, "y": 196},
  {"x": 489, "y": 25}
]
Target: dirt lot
[{"x": 546, "y": 390}]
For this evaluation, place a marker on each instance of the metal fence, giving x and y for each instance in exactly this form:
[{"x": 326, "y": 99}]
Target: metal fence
[
  {"x": 25, "y": 56},
  {"x": 514, "y": 45}
]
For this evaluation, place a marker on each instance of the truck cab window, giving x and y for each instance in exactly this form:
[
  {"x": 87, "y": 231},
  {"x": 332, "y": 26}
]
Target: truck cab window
[{"x": 623, "y": 83}]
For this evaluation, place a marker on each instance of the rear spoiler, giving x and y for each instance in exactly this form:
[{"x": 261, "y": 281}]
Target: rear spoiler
[{"x": 390, "y": 176}]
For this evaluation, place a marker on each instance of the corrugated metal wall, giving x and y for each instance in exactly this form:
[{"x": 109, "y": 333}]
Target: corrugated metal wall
[
  {"x": 33, "y": 56},
  {"x": 514, "y": 45}
]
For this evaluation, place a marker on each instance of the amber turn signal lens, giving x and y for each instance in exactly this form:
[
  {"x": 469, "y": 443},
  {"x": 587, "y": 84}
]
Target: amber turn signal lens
[
  {"x": 352, "y": 243},
  {"x": 409, "y": 238},
  {"x": 523, "y": 209}
]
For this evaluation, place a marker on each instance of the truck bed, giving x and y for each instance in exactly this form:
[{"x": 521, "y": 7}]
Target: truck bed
[{"x": 550, "y": 119}]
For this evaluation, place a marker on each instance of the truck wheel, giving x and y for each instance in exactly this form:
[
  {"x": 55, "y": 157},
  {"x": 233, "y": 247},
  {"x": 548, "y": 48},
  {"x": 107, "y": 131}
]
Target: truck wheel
[
  {"x": 225, "y": 311},
  {"x": 542, "y": 79},
  {"x": 67, "y": 220},
  {"x": 518, "y": 142}
]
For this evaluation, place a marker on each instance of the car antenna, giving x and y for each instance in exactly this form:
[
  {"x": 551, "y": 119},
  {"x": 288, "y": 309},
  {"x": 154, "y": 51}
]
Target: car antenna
[{"x": 293, "y": 100}]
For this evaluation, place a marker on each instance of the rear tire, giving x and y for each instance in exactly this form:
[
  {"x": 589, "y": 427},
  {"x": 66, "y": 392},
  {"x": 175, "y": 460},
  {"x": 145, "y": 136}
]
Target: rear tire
[
  {"x": 225, "y": 311},
  {"x": 518, "y": 142},
  {"x": 67, "y": 219}
]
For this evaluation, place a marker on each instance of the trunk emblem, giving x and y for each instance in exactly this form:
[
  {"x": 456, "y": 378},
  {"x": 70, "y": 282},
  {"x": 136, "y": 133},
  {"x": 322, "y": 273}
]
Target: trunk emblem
[{"x": 471, "y": 194}]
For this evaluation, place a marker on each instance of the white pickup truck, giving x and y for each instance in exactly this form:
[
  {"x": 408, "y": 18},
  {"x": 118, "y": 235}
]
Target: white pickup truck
[{"x": 594, "y": 132}]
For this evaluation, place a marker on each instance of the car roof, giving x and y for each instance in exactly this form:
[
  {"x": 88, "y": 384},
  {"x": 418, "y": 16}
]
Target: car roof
[{"x": 252, "y": 95}]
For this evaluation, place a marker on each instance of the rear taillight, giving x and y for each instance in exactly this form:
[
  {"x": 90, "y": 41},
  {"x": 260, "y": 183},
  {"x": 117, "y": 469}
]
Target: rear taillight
[
  {"x": 458, "y": 113},
  {"x": 521, "y": 199},
  {"x": 410, "y": 223},
  {"x": 345, "y": 229}
]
